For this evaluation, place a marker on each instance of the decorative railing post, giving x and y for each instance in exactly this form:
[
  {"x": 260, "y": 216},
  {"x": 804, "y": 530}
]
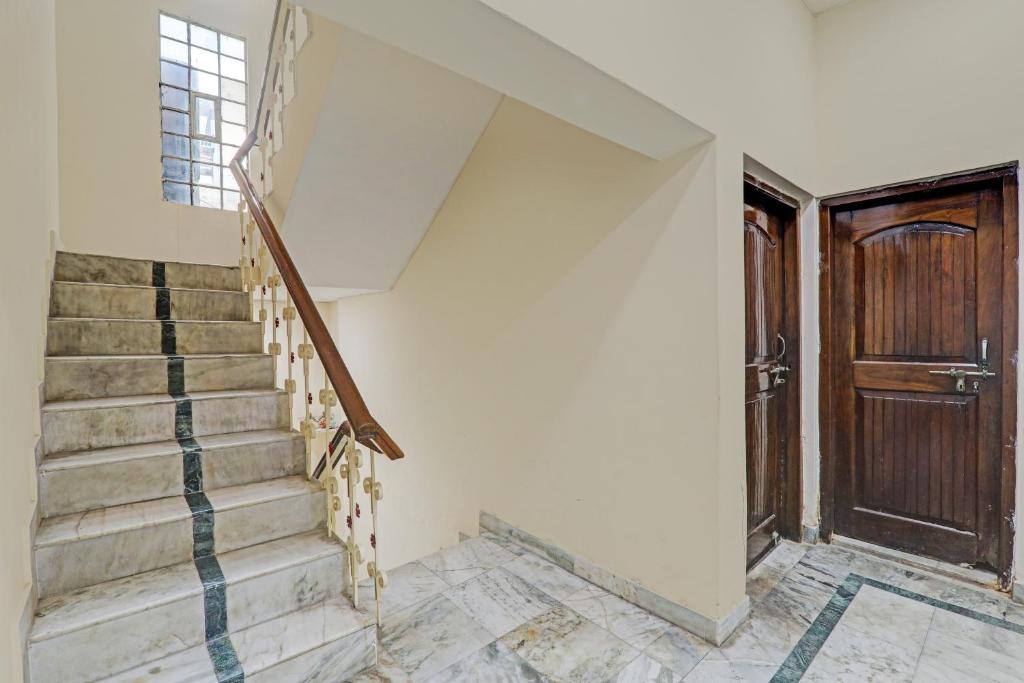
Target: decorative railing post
[
  {"x": 289, "y": 384},
  {"x": 274, "y": 349},
  {"x": 373, "y": 488},
  {"x": 308, "y": 426},
  {"x": 350, "y": 473}
]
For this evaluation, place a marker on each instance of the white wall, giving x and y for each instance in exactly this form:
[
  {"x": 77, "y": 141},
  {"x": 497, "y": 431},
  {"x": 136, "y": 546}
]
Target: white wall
[
  {"x": 917, "y": 88},
  {"x": 28, "y": 195},
  {"x": 109, "y": 118},
  {"x": 574, "y": 316}
]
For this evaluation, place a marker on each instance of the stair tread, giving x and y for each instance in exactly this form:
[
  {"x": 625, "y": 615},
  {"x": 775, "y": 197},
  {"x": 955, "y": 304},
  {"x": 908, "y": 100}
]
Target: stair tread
[
  {"x": 150, "y": 399},
  {"x": 104, "y": 521},
  {"x": 154, "y": 357},
  {"x": 84, "y": 607},
  {"x": 261, "y": 646},
  {"x": 72, "y": 283},
  {"x": 114, "y": 454}
]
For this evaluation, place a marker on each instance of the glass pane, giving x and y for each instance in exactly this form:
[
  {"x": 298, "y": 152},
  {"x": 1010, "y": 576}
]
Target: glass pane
[
  {"x": 175, "y": 28},
  {"x": 232, "y": 47},
  {"x": 175, "y": 169},
  {"x": 206, "y": 196},
  {"x": 206, "y": 151},
  {"x": 233, "y": 90},
  {"x": 229, "y": 151},
  {"x": 229, "y": 179},
  {"x": 204, "y": 37},
  {"x": 173, "y": 50},
  {"x": 205, "y": 174},
  {"x": 231, "y": 134},
  {"x": 172, "y": 74},
  {"x": 205, "y": 60},
  {"x": 232, "y": 68},
  {"x": 231, "y": 200},
  {"x": 204, "y": 117},
  {"x": 173, "y": 98},
  {"x": 177, "y": 193},
  {"x": 233, "y": 113},
  {"x": 204, "y": 82},
  {"x": 175, "y": 146},
  {"x": 174, "y": 122}
]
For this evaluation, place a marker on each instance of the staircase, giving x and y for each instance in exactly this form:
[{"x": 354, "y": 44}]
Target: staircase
[{"x": 180, "y": 539}]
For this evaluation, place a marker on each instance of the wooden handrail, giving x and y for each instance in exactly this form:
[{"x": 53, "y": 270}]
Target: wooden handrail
[{"x": 368, "y": 431}]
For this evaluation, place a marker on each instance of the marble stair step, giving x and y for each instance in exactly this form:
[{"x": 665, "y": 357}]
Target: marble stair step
[
  {"x": 87, "y": 300},
  {"x": 71, "y": 378},
  {"x": 106, "y": 336},
  {"x": 88, "y": 480},
  {"x": 326, "y": 643},
  {"x": 119, "y": 421},
  {"x": 112, "y": 270},
  {"x": 100, "y": 630},
  {"x": 83, "y": 549}
]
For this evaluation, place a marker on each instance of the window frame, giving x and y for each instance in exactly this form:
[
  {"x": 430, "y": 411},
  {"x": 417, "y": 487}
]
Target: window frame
[{"x": 194, "y": 185}]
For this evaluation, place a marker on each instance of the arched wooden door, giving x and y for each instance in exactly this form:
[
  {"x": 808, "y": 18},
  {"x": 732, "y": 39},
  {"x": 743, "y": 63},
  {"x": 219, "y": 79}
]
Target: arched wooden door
[{"x": 918, "y": 347}]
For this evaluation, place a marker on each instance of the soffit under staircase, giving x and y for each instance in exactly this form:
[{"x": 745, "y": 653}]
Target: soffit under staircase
[{"x": 412, "y": 88}]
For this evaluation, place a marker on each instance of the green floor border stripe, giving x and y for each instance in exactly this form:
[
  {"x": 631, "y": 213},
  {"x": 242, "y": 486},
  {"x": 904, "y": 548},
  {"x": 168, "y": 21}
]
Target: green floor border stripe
[{"x": 808, "y": 647}]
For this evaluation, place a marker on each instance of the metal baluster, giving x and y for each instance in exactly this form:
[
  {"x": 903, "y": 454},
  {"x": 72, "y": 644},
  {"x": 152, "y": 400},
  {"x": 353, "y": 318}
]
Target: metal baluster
[
  {"x": 373, "y": 488},
  {"x": 261, "y": 274},
  {"x": 289, "y": 313},
  {"x": 350, "y": 473},
  {"x": 308, "y": 426},
  {"x": 274, "y": 281}
]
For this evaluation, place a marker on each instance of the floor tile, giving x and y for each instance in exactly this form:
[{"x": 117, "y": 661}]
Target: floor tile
[
  {"x": 565, "y": 647},
  {"x": 494, "y": 663},
  {"x": 407, "y": 585},
  {"x": 467, "y": 559},
  {"x": 979, "y": 633},
  {"x": 431, "y": 636},
  {"x": 550, "y": 578},
  {"x": 715, "y": 668},
  {"x": 643, "y": 669},
  {"x": 849, "y": 656},
  {"x": 499, "y": 600},
  {"x": 621, "y": 618},
  {"x": 679, "y": 650},
  {"x": 963, "y": 660},
  {"x": 892, "y": 618}
]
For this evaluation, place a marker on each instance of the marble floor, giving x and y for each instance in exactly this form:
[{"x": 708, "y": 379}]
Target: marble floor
[{"x": 486, "y": 610}]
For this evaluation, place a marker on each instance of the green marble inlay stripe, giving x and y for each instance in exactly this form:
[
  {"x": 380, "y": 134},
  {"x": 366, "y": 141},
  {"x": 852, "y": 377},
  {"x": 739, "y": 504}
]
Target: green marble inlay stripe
[{"x": 801, "y": 656}]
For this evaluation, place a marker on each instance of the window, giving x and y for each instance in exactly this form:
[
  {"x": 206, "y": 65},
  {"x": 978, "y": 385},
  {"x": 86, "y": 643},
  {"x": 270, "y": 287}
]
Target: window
[{"x": 202, "y": 112}]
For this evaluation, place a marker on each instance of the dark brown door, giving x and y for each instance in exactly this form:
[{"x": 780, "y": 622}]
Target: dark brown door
[
  {"x": 917, "y": 326},
  {"x": 768, "y": 230}
]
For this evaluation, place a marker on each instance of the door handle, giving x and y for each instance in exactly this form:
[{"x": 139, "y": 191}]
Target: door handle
[{"x": 961, "y": 376}]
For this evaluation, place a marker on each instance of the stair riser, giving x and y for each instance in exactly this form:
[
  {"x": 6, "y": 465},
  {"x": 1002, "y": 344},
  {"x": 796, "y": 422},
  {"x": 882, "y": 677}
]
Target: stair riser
[
  {"x": 64, "y": 491},
  {"x": 62, "y": 567},
  {"x": 72, "y": 379},
  {"x": 338, "y": 660},
  {"x": 100, "y": 650},
  {"x": 119, "y": 271},
  {"x": 77, "y": 430},
  {"x": 103, "y": 649},
  {"x": 71, "y": 300},
  {"x": 122, "y": 337}
]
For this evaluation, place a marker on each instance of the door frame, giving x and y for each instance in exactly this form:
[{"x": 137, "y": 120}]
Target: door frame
[
  {"x": 791, "y": 515},
  {"x": 1005, "y": 177}
]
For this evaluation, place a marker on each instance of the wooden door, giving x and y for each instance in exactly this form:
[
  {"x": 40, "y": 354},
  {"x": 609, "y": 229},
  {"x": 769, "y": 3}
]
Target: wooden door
[
  {"x": 769, "y": 230},
  {"x": 918, "y": 340}
]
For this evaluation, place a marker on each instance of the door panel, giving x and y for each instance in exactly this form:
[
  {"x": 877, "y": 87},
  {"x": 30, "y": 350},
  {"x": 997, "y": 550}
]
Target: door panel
[
  {"x": 917, "y": 290},
  {"x": 768, "y": 319}
]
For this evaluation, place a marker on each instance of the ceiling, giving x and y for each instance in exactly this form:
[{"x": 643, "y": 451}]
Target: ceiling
[{"x": 819, "y": 6}]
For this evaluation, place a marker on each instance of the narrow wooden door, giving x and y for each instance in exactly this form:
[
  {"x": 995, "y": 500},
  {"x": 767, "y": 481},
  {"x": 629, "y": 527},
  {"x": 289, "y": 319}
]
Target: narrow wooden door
[
  {"x": 918, "y": 336},
  {"x": 769, "y": 377}
]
